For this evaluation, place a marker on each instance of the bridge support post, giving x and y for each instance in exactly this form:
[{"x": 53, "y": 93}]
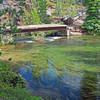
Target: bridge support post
[{"x": 68, "y": 31}]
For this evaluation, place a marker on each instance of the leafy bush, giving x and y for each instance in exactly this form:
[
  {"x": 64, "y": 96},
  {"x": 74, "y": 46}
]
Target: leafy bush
[
  {"x": 17, "y": 94},
  {"x": 12, "y": 86},
  {"x": 92, "y": 25},
  {"x": 7, "y": 77}
]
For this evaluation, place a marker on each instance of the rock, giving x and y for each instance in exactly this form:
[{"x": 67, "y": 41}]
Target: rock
[
  {"x": 68, "y": 21},
  {"x": 76, "y": 33},
  {"x": 76, "y": 17}
]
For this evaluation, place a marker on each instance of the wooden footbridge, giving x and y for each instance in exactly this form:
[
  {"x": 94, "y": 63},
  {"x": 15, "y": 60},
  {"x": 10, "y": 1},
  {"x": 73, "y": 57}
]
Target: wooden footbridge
[{"x": 42, "y": 27}]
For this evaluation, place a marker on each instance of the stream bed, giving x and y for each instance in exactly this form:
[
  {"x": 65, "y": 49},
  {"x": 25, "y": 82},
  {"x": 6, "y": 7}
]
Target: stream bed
[{"x": 63, "y": 69}]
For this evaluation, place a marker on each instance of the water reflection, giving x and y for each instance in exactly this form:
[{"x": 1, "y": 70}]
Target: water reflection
[
  {"x": 64, "y": 87},
  {"x": 49, "y": 84}
]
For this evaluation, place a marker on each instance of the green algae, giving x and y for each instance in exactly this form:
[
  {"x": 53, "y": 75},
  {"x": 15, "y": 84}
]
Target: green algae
[{"x": 73, "y": 55}]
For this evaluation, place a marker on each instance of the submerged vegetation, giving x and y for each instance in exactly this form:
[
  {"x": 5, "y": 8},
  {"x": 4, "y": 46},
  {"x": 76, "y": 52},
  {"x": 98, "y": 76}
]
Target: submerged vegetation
[
  {"x": 63, "y": 55},
  {"x": 78, "y": 57}
]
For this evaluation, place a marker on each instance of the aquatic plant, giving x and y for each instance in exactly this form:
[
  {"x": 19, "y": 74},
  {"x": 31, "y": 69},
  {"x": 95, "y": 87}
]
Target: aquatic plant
[
  {"x": 65, "y": 56},
  {"x": 89, "y": 86}
]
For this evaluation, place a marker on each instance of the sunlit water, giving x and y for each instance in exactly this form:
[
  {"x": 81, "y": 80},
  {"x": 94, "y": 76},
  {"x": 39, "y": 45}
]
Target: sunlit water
[{"x": 70, "y": 69}]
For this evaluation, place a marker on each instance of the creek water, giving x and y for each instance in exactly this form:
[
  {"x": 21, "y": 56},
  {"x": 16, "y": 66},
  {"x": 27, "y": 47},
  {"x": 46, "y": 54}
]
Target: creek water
[
  {"x": 52, "y": 86},
  {"x": 64, "y": 69}
]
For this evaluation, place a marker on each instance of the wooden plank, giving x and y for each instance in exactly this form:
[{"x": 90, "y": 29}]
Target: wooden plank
[{"x": 43, "y": 27}]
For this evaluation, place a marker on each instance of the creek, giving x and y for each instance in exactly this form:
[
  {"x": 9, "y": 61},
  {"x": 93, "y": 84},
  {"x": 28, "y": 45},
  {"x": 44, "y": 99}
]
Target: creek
[{"x": 58, "y": 69}]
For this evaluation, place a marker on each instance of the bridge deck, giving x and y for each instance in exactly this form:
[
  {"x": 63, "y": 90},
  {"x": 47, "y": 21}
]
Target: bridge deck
[{"x": 42, "y": 27}]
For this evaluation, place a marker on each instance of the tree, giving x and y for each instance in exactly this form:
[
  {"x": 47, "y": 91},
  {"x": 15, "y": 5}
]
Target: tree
[
  {"x": 65, "y": 8},
  {"x": 31, "y": 18},
  {"x": 13, "y": 14},
  {"x": 10, "y": 15},
  {"x": 92, "y": 22},
  {"x": 41, "y": 7},
  {"x": 58, "y": 7},
  {"x": 85, "y": 2}
]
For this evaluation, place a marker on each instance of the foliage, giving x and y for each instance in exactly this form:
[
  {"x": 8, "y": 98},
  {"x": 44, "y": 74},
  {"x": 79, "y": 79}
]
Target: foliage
[
  {"x": 85, "y": 2},
  {"x": 13, "y": 17},
  {"x": 7, "y": 77},
  {"x": 2, "y": 41},
  {"x": 32, "y": 17},
  {"x": 41, "y": 7},
  {"x": 51, "y": 4},
  {"x": 12, "y": 86},
  {"x": 26, "y": 17},
  {"x": 65, "y": 8},
  {"x": 4, "y": 67},
  {"x": 0, "y": 53},
  {"x": 37, "y": 13},
  {"x": 58, "y": 8},
  {"x": 92, "y": 22},
  {"x": 17, "y": 94},
  {"x": 1, "y": 1}
]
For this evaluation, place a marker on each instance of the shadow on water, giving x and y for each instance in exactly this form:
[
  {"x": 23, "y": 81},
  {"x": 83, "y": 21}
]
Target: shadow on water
[{"x": 52, "y": 86}]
